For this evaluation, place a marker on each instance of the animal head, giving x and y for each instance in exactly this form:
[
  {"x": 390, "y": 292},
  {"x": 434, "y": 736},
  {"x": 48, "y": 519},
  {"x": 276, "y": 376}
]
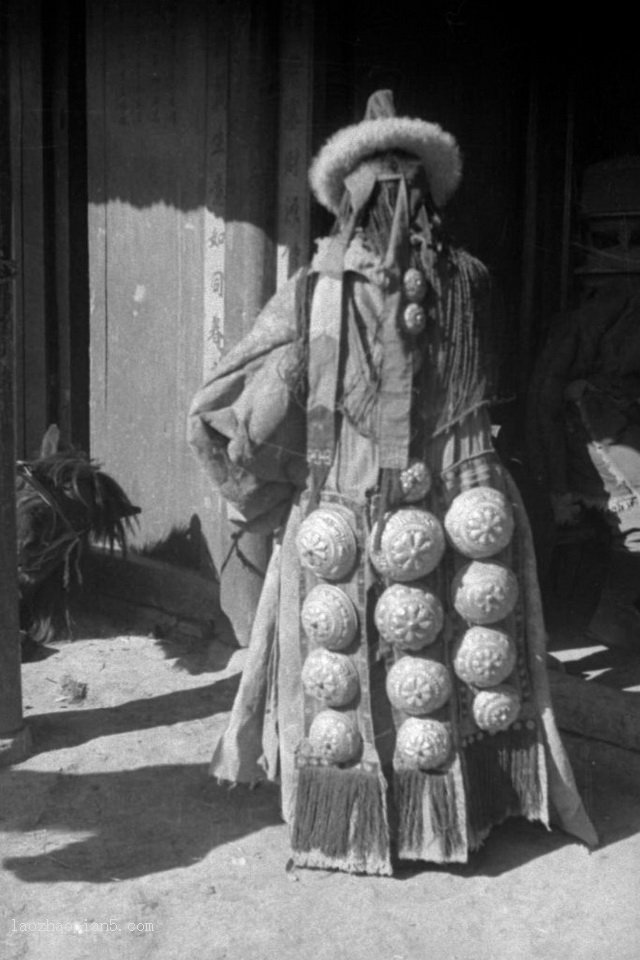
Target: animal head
[{"x": 64, "y": 498}]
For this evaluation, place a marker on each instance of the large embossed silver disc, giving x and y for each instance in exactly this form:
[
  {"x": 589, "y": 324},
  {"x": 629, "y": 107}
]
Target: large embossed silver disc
[
  {"x": 484, "y": 591},
  {"x": 484, "y": 657},
  {"x": 408, "y": 617},
  {"x": 329, "y": 617},
  {"x": 495, "y": 710},
  {"x": 422, "y": 744},
  {"x": 330, "y": 678},
  {"x": 418, "y": 686},
  {"x": 479, "y": 522},
  {"x": 334, "y": 737},
  {"x": 326, "y": 542},
  {"x": 411, "y": 545}
]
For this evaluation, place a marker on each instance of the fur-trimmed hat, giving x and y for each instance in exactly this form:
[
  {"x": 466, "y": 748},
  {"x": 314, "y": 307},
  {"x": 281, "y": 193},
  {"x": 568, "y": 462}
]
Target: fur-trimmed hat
[{"x": 379, "y": 132}]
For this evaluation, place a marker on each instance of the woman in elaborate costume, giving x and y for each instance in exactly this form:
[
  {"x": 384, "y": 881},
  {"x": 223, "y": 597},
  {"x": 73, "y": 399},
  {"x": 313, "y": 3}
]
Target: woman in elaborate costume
[{"x": 395, "y": 682}]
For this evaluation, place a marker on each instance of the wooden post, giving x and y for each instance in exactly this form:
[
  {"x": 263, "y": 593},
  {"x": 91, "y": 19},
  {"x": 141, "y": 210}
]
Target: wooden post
[
  {"x": 148, "y": 141},
  {"x": 14, "y": 736},
  {"x": 28, "y": 214},
  {"x": 529, "y": 259},
  {"x": 266, "y": 198},
  {"x": 250, "y": 254},
  {"x": 294, "y": 140}
]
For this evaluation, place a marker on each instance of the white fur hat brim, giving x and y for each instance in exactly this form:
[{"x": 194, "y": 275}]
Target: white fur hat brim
[{"x": 436, "y": 149}]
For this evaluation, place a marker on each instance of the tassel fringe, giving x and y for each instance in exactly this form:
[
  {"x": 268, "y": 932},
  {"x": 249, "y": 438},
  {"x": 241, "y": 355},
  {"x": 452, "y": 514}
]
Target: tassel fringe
[
  {"x": 408, "y": 790},
  {"x": 443, "y": 835},
  {"x": 444, "y": 813},
  {"x": 504, "y": 780},
  {"x": 340, "y": 821}
]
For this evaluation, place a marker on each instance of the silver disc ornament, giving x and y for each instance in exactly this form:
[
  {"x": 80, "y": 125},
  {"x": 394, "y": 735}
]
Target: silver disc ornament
[
  {"x": 422, "y": 744},
  {"x": 326, "y": 542},
  {"x": 479, "y": 522},
  {"x": 334, "y": 738},
  {"x": 330, "y": 678},
  {"x": 484, "y": 657},
  {"x": 418, "y": 686},
  {"x": 411, "y": 545},
  {"x": 414, "y": 285},
  {"x": 414, "y": 319},
  {"x": 408, "y": 617},
  {"x": 415, "y": 481},
  {"x": 329, "y": 617},
  {"x": 495, "y": 710},
  {"x": 484, "y": 591}
]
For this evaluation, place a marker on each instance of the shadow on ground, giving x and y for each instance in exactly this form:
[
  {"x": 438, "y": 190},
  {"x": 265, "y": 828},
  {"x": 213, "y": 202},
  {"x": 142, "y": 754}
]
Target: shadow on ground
[
  {"x": 70, "y": 728},
  {"x": 508, "y": 847},
  {"x": 607, "y": 777},
  {"x": 195, "y": 650},
  {"x": 139, "y": 821},
  {"x": 156, "y": 818},
  {"x": 619, "y": 669}
]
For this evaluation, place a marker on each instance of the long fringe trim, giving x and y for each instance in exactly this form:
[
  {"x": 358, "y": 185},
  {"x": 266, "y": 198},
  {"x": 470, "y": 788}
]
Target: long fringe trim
[
  {"x": 505, "y": 778},
  {"x": 340, "y": 821},
  {"x": 430, "y": 817}
]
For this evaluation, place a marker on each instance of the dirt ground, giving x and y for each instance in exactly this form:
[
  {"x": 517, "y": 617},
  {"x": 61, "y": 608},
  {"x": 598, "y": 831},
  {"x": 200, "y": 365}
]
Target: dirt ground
[{"x": 116, "y": 844}]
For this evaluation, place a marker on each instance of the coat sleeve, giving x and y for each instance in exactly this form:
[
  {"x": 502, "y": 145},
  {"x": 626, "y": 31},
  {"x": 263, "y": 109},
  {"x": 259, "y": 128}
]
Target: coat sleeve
[{"x": 246, "y": 425}]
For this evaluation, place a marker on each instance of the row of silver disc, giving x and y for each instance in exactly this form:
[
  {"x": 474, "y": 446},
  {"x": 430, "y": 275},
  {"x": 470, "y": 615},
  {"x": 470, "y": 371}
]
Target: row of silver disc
[{"x": 479, "y": 524}]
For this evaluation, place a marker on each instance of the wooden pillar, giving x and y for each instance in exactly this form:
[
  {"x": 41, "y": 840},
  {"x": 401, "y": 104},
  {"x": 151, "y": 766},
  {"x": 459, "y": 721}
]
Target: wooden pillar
[
  {"x": 14, "y": 736},
  {"x": 183, "y": 133},
  {"x": 530, "y": 231},
  {"x": 250, "y": 253},
  {"x": 294, "y": 143},
  {"x": 26, "y": 138},
  {"x": 67, "y": 250},
  {"x": 155, "y": 268},
  {"x": 266, "y": 212}
]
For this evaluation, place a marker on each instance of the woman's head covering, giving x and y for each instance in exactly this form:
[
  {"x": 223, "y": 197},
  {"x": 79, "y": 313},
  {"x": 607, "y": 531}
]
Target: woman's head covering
[
  {"x": 386, "y": 177},
  {"x": 382, "y": 132}
]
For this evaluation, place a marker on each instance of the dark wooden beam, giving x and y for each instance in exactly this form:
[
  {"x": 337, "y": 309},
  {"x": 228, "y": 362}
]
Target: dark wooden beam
[
  {"x": 28, "y": 189},
  {"x": 14, "y": 735},
  {"x": 250, "y": 249}
]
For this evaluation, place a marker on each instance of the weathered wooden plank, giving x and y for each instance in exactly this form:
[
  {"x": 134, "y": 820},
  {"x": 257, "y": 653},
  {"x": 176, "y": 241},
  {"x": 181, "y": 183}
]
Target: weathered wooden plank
[
  {"x": 251, "y": 165},
  {"x": 58, "y": 148},
  {"x": 183, "y": 146},
  {"x": 10, "y": 689},
  {"x": 530, "y": 233},
  {"x": 294, "y": 135},
  {"x": 12, "y": 741},
  {"x": 250, "y": 275},
  {"x": 78, "y": 385},
  {"x": 12, "y": 55},
  {"x": 216, "y": 96},
  {"x": 97, "y": 220},
  {"x": 28, "y": 190},
  {"x": 596, "y": 711},
  {"x": 146, "y": 148},
  {"x": 10, "y": 681}
]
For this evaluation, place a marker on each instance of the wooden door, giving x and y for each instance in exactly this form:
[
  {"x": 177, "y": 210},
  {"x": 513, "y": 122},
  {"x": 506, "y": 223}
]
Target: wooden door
[{"x": 187, "y": 240}]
